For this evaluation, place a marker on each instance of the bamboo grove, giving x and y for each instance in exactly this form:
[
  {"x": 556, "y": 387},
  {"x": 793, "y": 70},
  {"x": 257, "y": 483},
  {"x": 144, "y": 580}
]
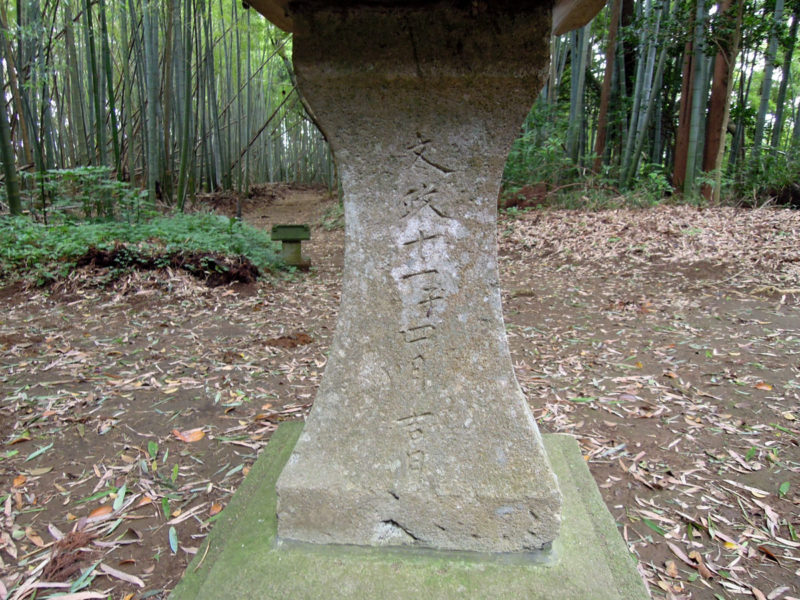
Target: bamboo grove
[
  {"x": 175, "y": 96},
  {"x": 681, "y": 96},
  {"x": 183, "y": 96}
]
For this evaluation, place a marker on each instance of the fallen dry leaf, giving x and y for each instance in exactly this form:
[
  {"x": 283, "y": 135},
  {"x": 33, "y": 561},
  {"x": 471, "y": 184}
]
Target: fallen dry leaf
[
  {"x": 189, "y": 435},
  {"x": 672, "y": 569},
  {"x": 769, "y": 553},
  {"x": 121, "y": 575},
  {"x": 7, "y": 544},
  {"x": 17, "y": 440},
  {"x": 83, "y": 596},
  {"x": 34, "y": 538},
  {"x": 144, "y": 501},
  {"x": 656, "y": 327},
  {"x": 701, "y": 567},
  {"x": 101, "y": 511},
  {"x": 681, "y": 554},
  {"x": 757, "y": 593}
]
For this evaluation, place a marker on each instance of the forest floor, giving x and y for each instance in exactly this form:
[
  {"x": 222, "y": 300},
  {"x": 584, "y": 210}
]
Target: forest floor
[{"x": 667, "y": 341}]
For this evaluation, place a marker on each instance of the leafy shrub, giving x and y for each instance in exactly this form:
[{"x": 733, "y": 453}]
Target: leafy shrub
[
  {"x": 44, "y": 252},
  {"x": 333, "y": 217},
  {"x": 538, "y": 155},
  {"x": 87, "y": 193},
  {"x": 774, "y": 180}
]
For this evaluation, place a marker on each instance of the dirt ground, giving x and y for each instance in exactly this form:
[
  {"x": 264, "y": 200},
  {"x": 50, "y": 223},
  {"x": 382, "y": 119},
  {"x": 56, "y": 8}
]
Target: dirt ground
[{"x": 666, "y": 341}]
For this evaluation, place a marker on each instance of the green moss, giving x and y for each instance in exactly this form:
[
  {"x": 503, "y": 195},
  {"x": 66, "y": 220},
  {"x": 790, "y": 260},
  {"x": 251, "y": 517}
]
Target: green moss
[{"x": 244, "y": 562}]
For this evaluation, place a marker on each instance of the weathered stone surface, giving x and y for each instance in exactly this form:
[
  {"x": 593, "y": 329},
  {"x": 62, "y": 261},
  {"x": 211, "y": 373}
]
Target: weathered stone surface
[
  {"x": 572, "y": 14},
  {"x": 567, "y": 14},
  {"x": 240, "y": 560},
  {"x": 420, "y": 434}
]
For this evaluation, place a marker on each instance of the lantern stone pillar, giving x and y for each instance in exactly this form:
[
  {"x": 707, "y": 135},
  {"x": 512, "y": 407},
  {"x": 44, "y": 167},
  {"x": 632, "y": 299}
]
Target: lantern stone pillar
[
  {"x": 420, "y": 472},
  {"x": 419, "y": 434}
]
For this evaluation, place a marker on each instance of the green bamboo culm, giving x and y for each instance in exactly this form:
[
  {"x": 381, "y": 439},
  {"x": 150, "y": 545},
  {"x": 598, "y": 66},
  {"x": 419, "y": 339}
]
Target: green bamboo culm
[
  {"x": 7, "y": 156},
  {"x": 109, "y": 75},
  {"x": 152, "y": 86},
  {"x": 94, "y": 83}
]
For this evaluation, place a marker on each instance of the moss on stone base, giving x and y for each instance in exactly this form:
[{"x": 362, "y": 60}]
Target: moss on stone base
[{"x": 243, "y": 561}]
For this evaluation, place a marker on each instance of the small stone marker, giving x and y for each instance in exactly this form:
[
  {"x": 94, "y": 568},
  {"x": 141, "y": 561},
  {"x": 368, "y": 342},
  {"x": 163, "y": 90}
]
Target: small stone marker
[{"x": 291, "y": 238}]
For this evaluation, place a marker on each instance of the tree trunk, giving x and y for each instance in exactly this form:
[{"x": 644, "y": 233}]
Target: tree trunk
[
  {"x": 777, "y": 129},
  {"x": 249, "y": 106},
  {"x": 696, "y": 120},
  {"x": 152, "y": 85},
  {"x": 766, "y": 87},
  {"x": 215, "y": 156},
  {"x": 737, "y": 153},
  {"x": 580, "y": 46},
  {"x": 645, "y": 122},
  {"x": 94, "y": 86},
  {"x": 29, "y": 59},
  {"x": 127, "y": 95},
  {"x": 184, "y": 81},
  {"x": 651, "y": 41},
  {"x": 628, "y": 50},
  {"x": 684, "y": 117},
  {"x": 605, "y": 94},
  {"x": 794, "y": 148},
  {"x": 166, "y": 104},
  {"x": 730, "y": 24},
  {"x": 14, "y": 85},
  {"x": 112, "y": 111},
  {"x": 643, "y": 83},
  {"x": 7, "y": 156},
  {"x": 225, "y": 130},
  {"x": 77, "y": 105}
]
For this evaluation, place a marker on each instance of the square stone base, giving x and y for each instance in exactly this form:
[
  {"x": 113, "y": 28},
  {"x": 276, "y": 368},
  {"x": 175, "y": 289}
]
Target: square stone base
[{"x": 243, "y": 561}]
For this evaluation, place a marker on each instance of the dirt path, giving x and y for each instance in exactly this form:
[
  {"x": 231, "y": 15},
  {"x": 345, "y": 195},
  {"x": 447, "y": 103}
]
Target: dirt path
[
  {"x": 666, "y": 341},
  {"x": 281, "y": 204}
]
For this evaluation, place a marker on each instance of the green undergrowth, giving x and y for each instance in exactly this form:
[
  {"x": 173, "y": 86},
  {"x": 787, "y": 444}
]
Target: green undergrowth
[
  {"x": 43, "y": 253},
  {"x": 594, "y": 194},
  {"x": 333, "y": 217}
]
